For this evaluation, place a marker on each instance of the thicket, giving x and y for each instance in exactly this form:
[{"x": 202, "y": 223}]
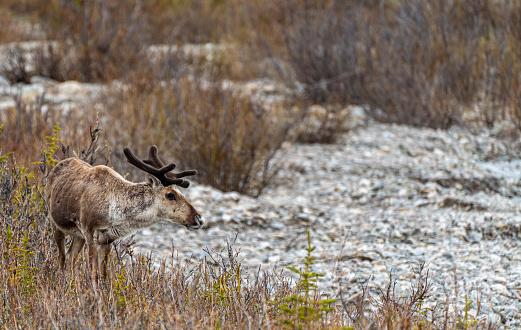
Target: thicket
[
  {"x": 414, "y": 62},
  {"x": 430, "y": 64},
  {"x": 231, "y": 140}
]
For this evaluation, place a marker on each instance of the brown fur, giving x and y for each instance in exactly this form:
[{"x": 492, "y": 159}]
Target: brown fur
[{"x": 96, "y": 205}]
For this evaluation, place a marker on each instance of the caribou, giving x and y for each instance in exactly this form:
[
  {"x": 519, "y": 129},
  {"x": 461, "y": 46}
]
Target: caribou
[{"x": 96, "y": 205}]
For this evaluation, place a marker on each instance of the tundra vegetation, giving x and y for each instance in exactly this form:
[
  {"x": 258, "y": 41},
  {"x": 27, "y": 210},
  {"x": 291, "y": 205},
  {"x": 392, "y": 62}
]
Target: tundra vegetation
[{"x": 436, "y": 64}]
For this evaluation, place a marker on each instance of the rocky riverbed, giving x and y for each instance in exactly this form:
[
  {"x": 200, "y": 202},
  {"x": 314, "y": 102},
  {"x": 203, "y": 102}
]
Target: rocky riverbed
[{"x": 381, "y": 201}]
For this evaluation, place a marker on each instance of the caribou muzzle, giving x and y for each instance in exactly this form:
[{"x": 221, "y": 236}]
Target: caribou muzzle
[{"x": 197, "y": 223}]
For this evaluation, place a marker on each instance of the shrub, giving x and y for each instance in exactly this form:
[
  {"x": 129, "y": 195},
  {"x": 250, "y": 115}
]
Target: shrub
[
  {"x": 422, "y": 74},
  {"x": 104, "y": 39},
  {"x": 231, "y": 140},
  {"x": 50, "y": 60},
  {"x": 425, "y": 65},
  {"x": 14, "y": 68},
  {"x": 319, "y": 41}
]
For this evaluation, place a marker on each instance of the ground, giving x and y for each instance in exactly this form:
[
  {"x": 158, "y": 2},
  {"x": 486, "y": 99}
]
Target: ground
[{"x": 382, "y": 200}]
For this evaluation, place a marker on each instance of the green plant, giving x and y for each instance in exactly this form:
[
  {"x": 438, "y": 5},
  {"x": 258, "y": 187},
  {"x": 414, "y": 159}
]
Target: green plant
[
  {"x": 52, "y": 146},
  {"x": 304, "y": 307},
  {"x": 48, "y": 161},
  {"x": 467, "y": 321},
  {"x": 24, "y": 273},
  {"x": 8, "y": 237},
  {"x": 120, "y": 288}
]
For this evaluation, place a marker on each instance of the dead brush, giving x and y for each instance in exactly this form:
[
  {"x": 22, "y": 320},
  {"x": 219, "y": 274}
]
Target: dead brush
[
  {"x": 408, "y": 311},
  {"x": 106, "y": 39},
  {"x": 25, "y": 125},
  {"x": 231, "y": 140},
  {"x": 424, "y": 65},
  {"x": 50, "y": 61},
  {"x": 15, "y": 67}
]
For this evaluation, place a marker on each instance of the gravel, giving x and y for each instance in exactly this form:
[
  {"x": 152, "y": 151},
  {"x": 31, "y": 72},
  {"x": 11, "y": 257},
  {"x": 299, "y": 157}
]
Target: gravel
[{"x": 380, "y": 202}]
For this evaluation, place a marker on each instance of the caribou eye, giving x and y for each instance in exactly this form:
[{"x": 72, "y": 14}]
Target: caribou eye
[{"x": 170, "y": 196}]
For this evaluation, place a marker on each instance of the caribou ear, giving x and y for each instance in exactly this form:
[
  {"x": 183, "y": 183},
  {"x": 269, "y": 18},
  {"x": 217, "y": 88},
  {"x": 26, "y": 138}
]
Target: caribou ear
[{"x": 154, "y": 182}]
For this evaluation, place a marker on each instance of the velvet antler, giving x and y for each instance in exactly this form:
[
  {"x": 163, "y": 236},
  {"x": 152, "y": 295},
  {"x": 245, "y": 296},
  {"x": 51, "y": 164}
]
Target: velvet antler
[
  {"x": 154, "y": 160},
  {"x": 153, "y": 165}
]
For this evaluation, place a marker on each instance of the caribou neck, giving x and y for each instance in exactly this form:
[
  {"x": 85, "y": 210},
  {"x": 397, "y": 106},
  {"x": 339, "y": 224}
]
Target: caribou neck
[{"x": 134, "y": 205}]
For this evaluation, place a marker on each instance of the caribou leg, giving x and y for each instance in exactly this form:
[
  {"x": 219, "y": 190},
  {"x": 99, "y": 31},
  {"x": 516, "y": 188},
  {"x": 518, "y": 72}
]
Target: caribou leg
[
  {"x": 59, "y": 238},
  {"x": 104, "y": 250},
  {"x": 74, "y": 250}
]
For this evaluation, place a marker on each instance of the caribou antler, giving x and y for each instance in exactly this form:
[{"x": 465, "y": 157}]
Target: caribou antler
[
  {"x": 154, "y": 160},
  {"x": 153, "y": 165}
]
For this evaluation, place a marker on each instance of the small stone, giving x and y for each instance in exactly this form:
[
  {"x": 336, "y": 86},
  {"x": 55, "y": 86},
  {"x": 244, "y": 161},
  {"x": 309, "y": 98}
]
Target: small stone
[
  {"x": 379, "y": 268},
  {"x": 231, "y": 197},
  {"x": 495, "y": 259},
  {"x": 493, "y": 318},
  {"x": 4, "y": 81},
  {"x": 304, "y": 217},
  {"x": 277, "y": 225},
  {"x": 378, "y": 186},
  {"x": 403, "y": 192},
  {"x": 498, "y": 288},
  {"x": 333, "y": 235},
  {"x": 226, "y": 217}
]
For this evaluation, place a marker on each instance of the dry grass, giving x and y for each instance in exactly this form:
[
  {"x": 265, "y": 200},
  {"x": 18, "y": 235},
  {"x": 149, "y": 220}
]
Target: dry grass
[
  {"x": 32, "y": 118},
  {"x": 141, "y": 292},
  {"x": 14, "y": 28},
  {"x": 25, "y": 127},
  {"x": 136, "y": 293}
]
